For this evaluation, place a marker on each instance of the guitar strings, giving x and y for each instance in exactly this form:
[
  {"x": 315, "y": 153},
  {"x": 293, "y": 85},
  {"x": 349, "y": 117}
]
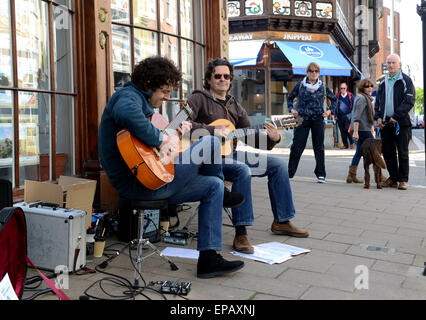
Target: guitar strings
[
  {"x": 288, "y": 121},
  {"x": 175, "y": 123}
]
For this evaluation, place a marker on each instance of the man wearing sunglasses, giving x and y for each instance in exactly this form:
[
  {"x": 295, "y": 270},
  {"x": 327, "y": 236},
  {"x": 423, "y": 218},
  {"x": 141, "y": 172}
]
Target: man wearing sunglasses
[
  {"x": 200, "y": 179},
  {"x": 214, "y": 102},
  {"x": 395, "y": 98},
  {"x": 345, "y": 101}
]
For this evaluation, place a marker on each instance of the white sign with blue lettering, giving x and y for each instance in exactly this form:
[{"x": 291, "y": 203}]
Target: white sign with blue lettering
[{"x": 311, "y": 51}]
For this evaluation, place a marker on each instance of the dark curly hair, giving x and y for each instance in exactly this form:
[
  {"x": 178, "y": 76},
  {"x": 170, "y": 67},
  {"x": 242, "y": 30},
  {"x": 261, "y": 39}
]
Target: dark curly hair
[
  {"x": 154, "y": 72},
  {"x": 213, "y": 63}
]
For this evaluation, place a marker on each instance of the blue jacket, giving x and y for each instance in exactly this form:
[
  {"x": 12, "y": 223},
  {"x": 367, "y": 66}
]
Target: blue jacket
[
  {"x": 404, "y": 97},
  {"x": 128, "y": 109},
  {"x": 311, "y": 105}
]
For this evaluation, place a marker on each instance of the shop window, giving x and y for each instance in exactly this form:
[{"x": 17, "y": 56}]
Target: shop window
[
  {"x": 303, "y": 8},
  {"x": 6, "y": 65},
  {"x": 249, "y": 89},
  {"x": 186, "y": 24},
  {"x": 121, "y": 54},
  {"x": 67, "y": 3},
  {"x": 6, "y": 135},
  {"x": 234, "y": 9},
  {"x": 63, "y": 54},
  {"x": 168, "y": 16},
  {"x": 187, "y": 68},
  {"x": 36, "y": 41},
  {"x": 174, "y": 31},
  {"x": 34, "y": 133},
  {"x": 145, "y": 44},
  {"x": 324, "y": 10},
  {"x": 37, "y": 89},
  {"x": 120, "y": 11},
  {"x": 279, "y": 92},
  {"x": 254, "y": 7},
  {"x": 281, "y": 7}
]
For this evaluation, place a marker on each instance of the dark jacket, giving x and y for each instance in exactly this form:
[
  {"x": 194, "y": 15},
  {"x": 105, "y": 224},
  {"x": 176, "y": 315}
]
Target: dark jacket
[
  {"x": 127, "y": 108},
  {"x": 404, "y": 97},
  {"x": 207, "y": 109},
  {"x": 349, "y": 100},
  {"x": 311, "y": 105}
]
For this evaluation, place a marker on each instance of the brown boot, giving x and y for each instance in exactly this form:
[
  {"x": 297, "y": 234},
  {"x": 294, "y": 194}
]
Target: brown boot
[
  {"x": 242, "y": 244},
  {"x": 352, "y": 175},
  {"x": 288, "y": 229}
]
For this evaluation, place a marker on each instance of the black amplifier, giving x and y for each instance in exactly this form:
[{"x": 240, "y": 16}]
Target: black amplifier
[{"x": 128, "y": 224}]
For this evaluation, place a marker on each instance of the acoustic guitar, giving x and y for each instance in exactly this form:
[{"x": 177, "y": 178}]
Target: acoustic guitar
[
  {"x": 287, "y": 122},
  {"x": 144, "y": 161}
]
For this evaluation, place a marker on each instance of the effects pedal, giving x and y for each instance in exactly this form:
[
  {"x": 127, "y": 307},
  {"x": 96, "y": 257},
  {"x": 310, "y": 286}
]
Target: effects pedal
[
  {"x": 180, "y": 237},
  {"x": 176, "y": 287}
]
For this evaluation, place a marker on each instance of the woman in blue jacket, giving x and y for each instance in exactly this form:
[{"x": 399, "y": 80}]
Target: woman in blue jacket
[{"x": 311, "y": 106}]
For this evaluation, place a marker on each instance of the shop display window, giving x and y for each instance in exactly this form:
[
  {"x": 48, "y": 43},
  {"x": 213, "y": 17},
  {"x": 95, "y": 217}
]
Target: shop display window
[{"x": 36, "y": 89}]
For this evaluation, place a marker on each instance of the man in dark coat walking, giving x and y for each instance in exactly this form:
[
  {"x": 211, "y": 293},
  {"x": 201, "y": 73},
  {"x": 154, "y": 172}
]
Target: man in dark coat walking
[
  {"x": 395, "y": 98},
  {"x": 343, "y": 112}
]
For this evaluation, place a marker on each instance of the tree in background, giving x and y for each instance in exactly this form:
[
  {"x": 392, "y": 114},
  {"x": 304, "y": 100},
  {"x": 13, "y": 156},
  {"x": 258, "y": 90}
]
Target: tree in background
[{"x": 419, "y": 106}]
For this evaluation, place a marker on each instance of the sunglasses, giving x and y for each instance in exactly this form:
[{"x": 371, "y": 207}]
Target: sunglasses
[
  {"x": 342, "y": 88},
  {"x": 218, "y": 76},
  {"x": 368, "y": 86},
  {"x": 313, "y": 71}
]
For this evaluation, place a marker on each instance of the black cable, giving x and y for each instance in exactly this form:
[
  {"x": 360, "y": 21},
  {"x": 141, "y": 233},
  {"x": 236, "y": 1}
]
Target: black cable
[
  {"x": 130, "y": 292},
  {"x": 176, "y": 224},
  {"x": 35, "y": 279},
  {"x": 188, "y": 207},
  {"x": 39, "y": 293}
]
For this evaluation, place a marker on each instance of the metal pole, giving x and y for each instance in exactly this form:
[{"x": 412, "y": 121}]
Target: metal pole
[
  {"x": 392, "y": 29},
  {"x": 421, "y": 11}
]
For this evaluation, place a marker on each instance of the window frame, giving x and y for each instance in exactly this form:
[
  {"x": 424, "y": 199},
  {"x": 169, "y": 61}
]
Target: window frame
[
  {"x": 159, "y": 32},
  {"x": 16, "y": 90}
]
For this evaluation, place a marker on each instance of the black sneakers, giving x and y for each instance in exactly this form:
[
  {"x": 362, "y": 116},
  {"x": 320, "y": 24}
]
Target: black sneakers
[
  {"x": 211, "y": 264},
  {"x": 232, "y": 199}
]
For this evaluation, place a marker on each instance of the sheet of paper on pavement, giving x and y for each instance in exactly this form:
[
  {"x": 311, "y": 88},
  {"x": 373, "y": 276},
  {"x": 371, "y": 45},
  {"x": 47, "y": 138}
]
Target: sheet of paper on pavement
[
  {"x": 180, "y": 252},
  {"x": 272, "y": 252},
  {"x": 294, "y": 251},
  {"x": 6, "y": 289}
]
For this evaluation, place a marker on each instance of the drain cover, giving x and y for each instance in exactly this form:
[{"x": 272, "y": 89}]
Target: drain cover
[{"x": 377, "y": 249}]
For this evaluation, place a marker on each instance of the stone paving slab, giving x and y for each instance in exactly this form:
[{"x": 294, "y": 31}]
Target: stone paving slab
[{"x": 343, "y": 220}]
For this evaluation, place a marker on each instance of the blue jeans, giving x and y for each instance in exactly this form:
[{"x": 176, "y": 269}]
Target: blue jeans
[
  {"x": 363, "y": 135},
  {"x": 194, "y": 181},
  {"x": 246, "y": 165}
]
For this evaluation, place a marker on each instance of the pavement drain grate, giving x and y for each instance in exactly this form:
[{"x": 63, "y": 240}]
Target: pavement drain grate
[{"x": 378, "y": 249}]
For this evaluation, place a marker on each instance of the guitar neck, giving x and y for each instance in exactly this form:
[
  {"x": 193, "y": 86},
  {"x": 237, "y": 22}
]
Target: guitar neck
[
  {"x": 180, "y": 117},
  {"x": 280, "y": 123}
]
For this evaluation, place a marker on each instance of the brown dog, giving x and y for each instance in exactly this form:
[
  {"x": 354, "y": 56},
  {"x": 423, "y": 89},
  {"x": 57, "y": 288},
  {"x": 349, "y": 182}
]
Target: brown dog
[{"x": 371, "y": 151}]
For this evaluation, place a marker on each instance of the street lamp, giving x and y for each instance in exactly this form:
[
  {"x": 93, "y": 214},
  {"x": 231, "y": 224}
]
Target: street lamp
[{"x": 421, "y": 11}]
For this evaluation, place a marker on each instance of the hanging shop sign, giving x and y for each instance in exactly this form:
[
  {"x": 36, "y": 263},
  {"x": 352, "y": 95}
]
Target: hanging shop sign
[{"x": 280, "y": 35}]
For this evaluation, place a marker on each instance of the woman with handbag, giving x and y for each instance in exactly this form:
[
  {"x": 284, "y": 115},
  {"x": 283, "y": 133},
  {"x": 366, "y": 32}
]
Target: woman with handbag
[
  {"x": 362, "y": 124},
  {"x": 311, "y": 106}
]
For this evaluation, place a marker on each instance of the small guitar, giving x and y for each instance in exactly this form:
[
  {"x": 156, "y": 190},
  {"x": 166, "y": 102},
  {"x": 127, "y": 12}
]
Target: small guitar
[
  {"x": 143, "y": 160},
  {"x": 287, "y": 122}
]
